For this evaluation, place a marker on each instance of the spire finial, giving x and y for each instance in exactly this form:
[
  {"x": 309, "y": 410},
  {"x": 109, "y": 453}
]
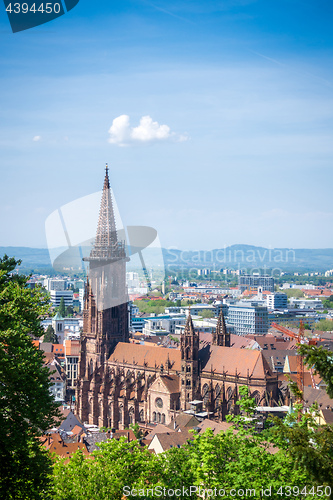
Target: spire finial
[{"x": 106, "y": 180}]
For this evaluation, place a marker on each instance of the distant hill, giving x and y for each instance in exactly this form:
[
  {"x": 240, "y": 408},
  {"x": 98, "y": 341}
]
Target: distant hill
[
  {"x": 32, "y": 258},
  {"x": 236, "y": 256}
]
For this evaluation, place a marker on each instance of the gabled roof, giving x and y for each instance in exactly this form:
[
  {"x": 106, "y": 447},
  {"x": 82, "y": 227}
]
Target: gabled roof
[
  {"x": 276, "y": 357},
  {"x": 55, "y": 444},
  {"x": 57, "y": 317},
  {"x": 317, "y": 395},
  {"x": 169, "y": 440},
  {"x": 216, "y": 427},
  {"x": 170, "y": 382},
  {"x": 216, "y": 358},
  {"x": 246, "y": 362},
  {"x": 71, "y": 422},
  {"x": 145, "y": 355},
  {"x": 159, "y": 429},
  {"x": 327, "y": 416},
  {"x": 183, "y": 420},
  {"x": 238, "y": 341}
]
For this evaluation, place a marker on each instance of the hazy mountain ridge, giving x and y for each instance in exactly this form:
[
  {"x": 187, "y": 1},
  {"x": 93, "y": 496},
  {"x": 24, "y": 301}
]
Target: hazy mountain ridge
[{"x": 235, "y": 256}]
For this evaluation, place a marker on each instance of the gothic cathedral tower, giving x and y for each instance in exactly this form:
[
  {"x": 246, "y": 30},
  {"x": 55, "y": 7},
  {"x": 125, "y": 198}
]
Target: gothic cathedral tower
[
  {"x": 105, "y": 315},
  {"x": 221, "y": 336},
  {"x": 189, "y": 347}
]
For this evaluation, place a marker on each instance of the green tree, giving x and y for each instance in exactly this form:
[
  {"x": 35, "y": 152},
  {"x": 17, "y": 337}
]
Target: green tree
[
  {"x": 136, "y": 430},
  {"x": 50, "y": 335},
  {"x": 115, "y": 465},
  {"x": 207, "y": 314},
  {"x": 68, "y": 312},
  {"x": 26, "y": 405},
  {"x": 293, "y": 292},
  {"x": 324, "y": 325},
  {"x": 322, "y": 361},
  {"x": 62, "y": 308}
]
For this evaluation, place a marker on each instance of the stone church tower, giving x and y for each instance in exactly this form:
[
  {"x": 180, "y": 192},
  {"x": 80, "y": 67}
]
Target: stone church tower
[
  {"x": 221, "y": 336},
  {"x": 120, "y": 382},
  {"x": 190, "y": 377},
  {"x": 105, "y": 316}
]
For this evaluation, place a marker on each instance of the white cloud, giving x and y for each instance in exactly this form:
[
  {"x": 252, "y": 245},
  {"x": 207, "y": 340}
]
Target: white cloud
[
  {"x": 148, "y": 131},
  {"x": 36, "y": 138}
]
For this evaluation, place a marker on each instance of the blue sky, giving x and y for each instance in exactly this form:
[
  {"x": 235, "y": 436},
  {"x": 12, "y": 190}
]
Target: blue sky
[{"x": 244, "y": 90}]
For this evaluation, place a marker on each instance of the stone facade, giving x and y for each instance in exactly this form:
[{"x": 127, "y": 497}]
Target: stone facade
[{"x": 121, "y": 382}]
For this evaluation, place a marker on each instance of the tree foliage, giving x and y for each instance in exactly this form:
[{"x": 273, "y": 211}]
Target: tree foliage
[
  {"x": 26, "y": 405},
  {"x": 62, "y": 307},
  {"x": 322, "y": 362},
  {"x": 50, "y": 335},
  {"x": 324, "y": 325},
  {"x": 153, "y": 306},
  {"x": 288, "y": 453},
  {"x": 206, "y": 314}
]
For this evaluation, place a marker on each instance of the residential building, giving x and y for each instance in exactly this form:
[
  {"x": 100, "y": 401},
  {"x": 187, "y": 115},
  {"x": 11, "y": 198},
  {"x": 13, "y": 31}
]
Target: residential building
[
  {"x": 57, "y": 379},
  {"x": 72, "y": 353}
]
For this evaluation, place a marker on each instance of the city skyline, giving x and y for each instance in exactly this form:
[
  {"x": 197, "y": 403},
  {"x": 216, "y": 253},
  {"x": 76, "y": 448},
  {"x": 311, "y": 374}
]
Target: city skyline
[{"x": 216, "y": 121}]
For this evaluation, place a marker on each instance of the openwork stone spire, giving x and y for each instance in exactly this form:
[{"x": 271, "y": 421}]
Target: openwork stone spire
[
  {"x": 189, "y": 328},
  {"x": 106, "y": 246},
  {"x": 221, "y": 335}
]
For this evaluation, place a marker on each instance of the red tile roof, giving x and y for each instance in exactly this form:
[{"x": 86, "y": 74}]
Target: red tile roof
[
  {"x": 145, "y": 355},
  {"x": 225, "y": 359}
]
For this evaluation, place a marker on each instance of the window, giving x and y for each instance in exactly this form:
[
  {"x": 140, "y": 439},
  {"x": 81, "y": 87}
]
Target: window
[{"x": 158, "y": 403}]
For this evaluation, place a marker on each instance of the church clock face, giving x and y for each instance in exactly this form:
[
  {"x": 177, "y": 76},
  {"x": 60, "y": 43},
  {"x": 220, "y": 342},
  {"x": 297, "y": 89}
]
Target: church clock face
[{"x": 159, "y": 403}]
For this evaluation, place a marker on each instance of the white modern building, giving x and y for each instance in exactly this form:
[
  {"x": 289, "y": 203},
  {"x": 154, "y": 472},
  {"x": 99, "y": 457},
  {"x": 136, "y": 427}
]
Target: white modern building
[
  {"x": 248, "y": 318},
  {"x": 81, "y": 298},
  {"x": 277, "y": 301},
  {"x": 306, "y": 303},
  {"x": 163, "y": 325},
  {"x": 57, "y": 294}
]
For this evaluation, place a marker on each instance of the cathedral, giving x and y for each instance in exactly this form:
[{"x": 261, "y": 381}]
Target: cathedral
[{"x": 120, "y": 382}]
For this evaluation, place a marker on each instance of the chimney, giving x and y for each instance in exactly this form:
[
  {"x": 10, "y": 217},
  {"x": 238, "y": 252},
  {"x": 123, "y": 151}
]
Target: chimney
[{"x": 128, "y": 436}]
